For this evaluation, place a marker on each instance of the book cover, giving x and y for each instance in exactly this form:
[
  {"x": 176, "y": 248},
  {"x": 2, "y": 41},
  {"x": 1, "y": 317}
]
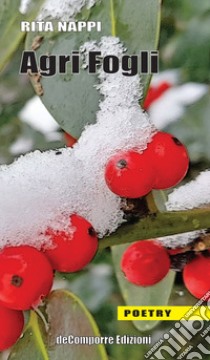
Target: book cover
[{"x": 104, "y": 179}]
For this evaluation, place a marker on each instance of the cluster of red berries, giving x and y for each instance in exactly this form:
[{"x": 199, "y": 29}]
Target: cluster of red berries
[
  {"x": 26, "y": 274},
  {"x": 147, "y": 262},
  {"x": 162, "y": 165}
]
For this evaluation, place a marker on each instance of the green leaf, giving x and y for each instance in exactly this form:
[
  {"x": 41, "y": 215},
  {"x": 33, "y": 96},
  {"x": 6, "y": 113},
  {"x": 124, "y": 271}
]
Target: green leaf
[
  {"x": 142, "y": 296},
  {"x": 72, "y": 99},
  {"x": 94, "y": 286},
  {"x": 10, "y": 19},
  {"x": 14, "y": 90},
  {"x": 66, "y": 316}
]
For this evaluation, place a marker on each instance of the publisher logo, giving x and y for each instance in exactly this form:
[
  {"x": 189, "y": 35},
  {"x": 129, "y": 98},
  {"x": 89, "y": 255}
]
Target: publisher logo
[{"x": 175, "y": 343}]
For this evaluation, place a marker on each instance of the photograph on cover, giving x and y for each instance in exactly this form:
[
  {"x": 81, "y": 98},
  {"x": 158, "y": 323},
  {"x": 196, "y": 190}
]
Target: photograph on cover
[{"x": 104, "y": 179}]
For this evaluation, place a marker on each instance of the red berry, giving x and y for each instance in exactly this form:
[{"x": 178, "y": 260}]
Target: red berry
[
  {"x": 72, "y": 251},
  {"x": 12, "y": 322},
  {"x": 196, "y": 276},
  {"x": 69, "y": 140},
  {"x": 129, "y": 174},
  {"x": 145, "y": 263},
  {"x": 170, "y": 160},
  {"x": 26, "y": 277}
]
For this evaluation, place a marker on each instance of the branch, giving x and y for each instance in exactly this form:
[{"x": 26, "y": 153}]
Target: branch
[{"x": 159, "y": 224}]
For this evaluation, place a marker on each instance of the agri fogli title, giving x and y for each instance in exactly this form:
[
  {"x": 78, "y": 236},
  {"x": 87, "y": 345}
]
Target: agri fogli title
[{"x": 147, "y": 62}]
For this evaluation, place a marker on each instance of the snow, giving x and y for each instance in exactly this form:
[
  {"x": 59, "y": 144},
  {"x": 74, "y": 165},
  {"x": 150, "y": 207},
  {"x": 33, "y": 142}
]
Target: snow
[
  {"x": 64, "y": 10},
  {"x": 170, "y": 107},
  {"x": 24, "y": 4},
  {"x": 194, "y": 194},
  {"x": 179, "y": 240},
  {"x": 21, "y": 145},
  {"x": 35, "y": 114},
  {"x": 42, "y": 190},
  {"x": 172, "y": 76}
]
